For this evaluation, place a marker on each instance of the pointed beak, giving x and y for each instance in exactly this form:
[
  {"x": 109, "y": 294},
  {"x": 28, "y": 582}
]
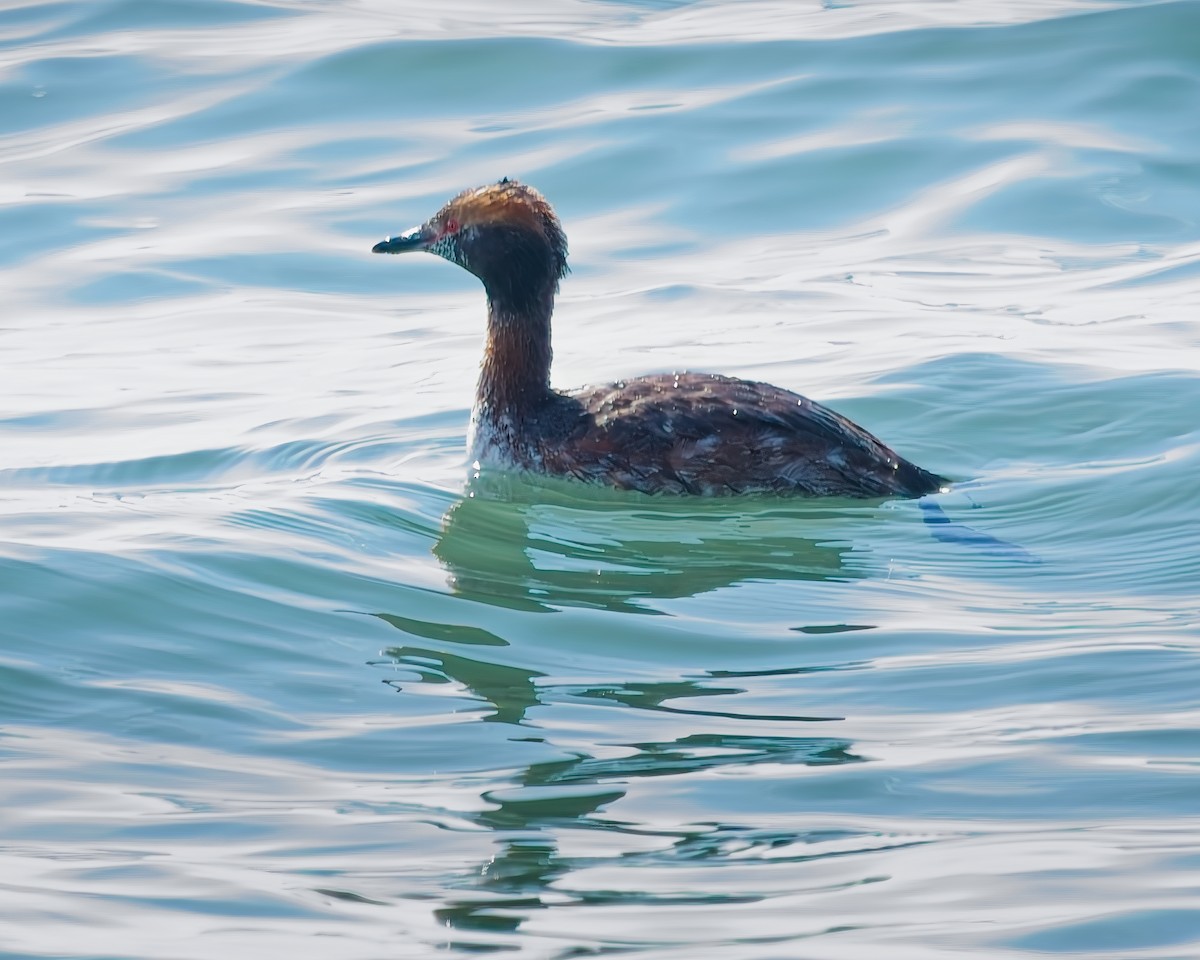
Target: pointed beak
[{"x": 418, "y": 238}]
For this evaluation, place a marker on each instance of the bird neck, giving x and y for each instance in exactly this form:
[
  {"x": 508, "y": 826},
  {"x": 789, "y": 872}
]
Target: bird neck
[{"x": 514, "y": 378}]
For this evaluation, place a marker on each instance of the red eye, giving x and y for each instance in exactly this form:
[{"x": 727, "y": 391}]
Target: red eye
[{"x": 452, "y": 226}]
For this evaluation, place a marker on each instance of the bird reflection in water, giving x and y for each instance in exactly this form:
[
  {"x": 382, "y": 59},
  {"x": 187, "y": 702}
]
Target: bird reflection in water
[
  {"x": 537, "y": 555},
  {"x": 625, "y": 552}
]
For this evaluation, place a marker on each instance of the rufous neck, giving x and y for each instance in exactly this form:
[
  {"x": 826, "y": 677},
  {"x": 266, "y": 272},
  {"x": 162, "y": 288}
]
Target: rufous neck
[{"x": 514, "y": 379}]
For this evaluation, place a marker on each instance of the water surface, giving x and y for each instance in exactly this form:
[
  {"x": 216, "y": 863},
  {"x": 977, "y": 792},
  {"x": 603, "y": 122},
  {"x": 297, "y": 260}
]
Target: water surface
[{"x": 273, "y": 684}]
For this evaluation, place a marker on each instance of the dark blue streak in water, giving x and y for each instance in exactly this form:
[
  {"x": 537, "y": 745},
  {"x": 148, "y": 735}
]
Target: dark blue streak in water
[{"x": 951, "y": 531}]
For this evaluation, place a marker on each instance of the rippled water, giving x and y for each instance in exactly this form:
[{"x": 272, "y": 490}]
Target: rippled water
[{"x": 272, "y": 685}]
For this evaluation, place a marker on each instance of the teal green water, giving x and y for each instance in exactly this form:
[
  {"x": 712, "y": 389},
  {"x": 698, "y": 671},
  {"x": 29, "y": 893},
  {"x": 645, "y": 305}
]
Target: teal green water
[{"x": 273, "y": 685}]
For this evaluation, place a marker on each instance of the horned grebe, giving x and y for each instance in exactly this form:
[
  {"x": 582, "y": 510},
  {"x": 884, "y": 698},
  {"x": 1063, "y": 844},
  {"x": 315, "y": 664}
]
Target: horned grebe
[{"x": 679, "y": 433}]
